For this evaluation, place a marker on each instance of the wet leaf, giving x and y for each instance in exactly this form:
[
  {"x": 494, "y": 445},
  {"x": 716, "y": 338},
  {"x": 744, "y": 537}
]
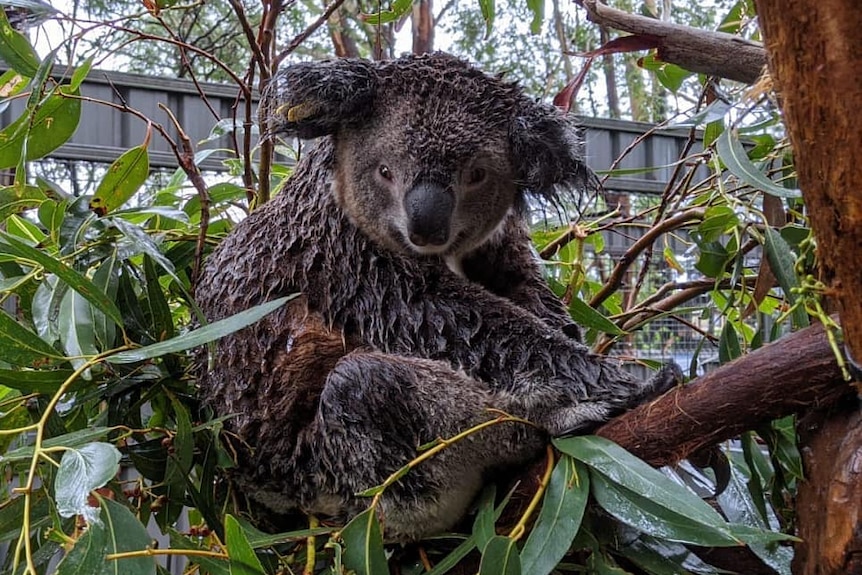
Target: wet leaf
[
  {"x": 586, "y": 316},
  {"x": 15, "y": 199},
  {"x": 560, "y": 518},
  {"x": 483, "y": 526},
  {"x": 728, "y": 343},
  {"x": 79, "y": 283},
  {"x": 734, "y": 156},
  {"x": 363, "y": 542},
  {"x": 717, "y": 220},
  {"x": 20, "y": 346},
  {"x": 201, "y": 335},
  {"x": 399, "y": 9},
  {"x": 106, "y": 278},
  {"x": 16, "y": 50},
  {"x": 489, "y": 13},
  {"x": 782, "y": 262},
  {"x": 34, "y": 381},
  {"x": 626, "y": 470},
  {"x": 646, "y": 515},
  {"x": 118, "y": 532},
  {"x": 51, "y": 126},
  {"x": 71, "y": 440},
  {"x": 500, "y": 557},
  {"x": 243, "y": 561},
  {"x": 77, "y": 335},
  {"x": 124, "y": 177},
  {"x": 82, "y": 470}
]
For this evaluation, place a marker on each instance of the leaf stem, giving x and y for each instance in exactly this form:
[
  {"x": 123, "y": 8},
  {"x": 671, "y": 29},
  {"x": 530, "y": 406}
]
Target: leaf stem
[{"x": 521, "y": 527}]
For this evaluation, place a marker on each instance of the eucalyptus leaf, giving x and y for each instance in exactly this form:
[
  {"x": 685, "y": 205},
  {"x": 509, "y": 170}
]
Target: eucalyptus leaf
[
  {"x": 500, "y": 557},
  {"x": 243, "y": 561},
  {"x": 586, "y": 316},
  {"x": 81, "y": 471},
  {"x": 16, "y": 50},
  {"x": 118, "y": 532},
  {"x": 20, "y": 346},
  {"x": 560, "y": 518},
  {"x": 78, "y": 282},
  {"x": 124, "y": 177},
  {"x": 782, "y": 262},
  {"x": 201, "y": 335},
  {"x": 734, "y": 156},
  {"x": 624, "y": 469},
  {"x": 363, "y": 545}
]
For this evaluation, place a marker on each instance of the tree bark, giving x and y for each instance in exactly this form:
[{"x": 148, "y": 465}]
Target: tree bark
[
  {"x": 829, "y": 502},
  {"x": 797, "y": 372},
  {"x": 705, "y": 52},
  {"x": 423, "y": 27},
  {"x": 815, "y": 62}
]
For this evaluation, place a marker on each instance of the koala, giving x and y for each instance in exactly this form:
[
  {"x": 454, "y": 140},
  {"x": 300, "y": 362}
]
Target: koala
[{"x": 423, "y": 310}]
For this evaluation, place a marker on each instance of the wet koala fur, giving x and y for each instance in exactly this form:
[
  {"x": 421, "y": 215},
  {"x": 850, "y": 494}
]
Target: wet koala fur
[{"x": 422, "y": 303}]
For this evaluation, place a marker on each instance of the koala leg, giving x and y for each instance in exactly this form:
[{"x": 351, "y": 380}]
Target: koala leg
[{"x": 376, "y": 410}]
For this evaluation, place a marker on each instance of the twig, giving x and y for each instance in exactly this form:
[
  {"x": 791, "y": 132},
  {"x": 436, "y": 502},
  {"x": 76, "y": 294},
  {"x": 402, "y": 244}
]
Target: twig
[
  {"x": 628, "y": 258},
  {"x": 312, "y": 28},
  {"x": 188, "y": 165}
]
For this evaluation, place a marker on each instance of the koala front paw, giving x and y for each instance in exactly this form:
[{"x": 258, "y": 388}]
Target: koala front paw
[{"x": 669, "y": 376}]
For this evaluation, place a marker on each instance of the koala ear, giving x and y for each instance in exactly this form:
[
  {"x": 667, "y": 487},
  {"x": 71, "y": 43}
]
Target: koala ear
[
  {"x": 548, "y": 152},
  {"x": 313, "y": 99}
]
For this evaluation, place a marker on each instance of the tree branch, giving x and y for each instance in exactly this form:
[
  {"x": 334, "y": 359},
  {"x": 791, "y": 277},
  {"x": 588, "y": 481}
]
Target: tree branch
[
  {"x": 702, "y": 51},
  {"x": 784, "y": 377}
]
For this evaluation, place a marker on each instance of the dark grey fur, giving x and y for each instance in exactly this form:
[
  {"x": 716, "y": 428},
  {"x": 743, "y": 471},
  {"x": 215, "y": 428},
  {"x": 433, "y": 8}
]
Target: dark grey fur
[{"x": 394, "y": 344}]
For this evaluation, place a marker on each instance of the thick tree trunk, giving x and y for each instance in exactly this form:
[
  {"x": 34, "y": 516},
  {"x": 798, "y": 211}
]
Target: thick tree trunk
[
  {"x": 795, "y": 373},
  {"x": 815, "y": 60},
  {"x": 423, "y": 27},
  {"x": 829, "y": 503}
]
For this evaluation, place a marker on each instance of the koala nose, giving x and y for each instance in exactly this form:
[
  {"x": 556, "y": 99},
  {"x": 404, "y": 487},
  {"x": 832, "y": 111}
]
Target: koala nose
[{"x": 429, "y": 209}]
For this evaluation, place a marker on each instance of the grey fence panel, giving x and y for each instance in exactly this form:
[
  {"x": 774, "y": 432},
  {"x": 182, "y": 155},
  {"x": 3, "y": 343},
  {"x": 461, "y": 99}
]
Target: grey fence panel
[
  {"x": 606, "y": 140},
  {"x": 106, "y": 132}
]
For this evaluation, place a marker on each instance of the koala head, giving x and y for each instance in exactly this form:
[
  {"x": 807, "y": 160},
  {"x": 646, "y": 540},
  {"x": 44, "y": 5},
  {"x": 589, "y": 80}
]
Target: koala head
[{"x": 430, "y": 153}]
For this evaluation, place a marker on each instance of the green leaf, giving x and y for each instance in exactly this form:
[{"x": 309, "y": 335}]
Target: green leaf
[
  {"x": 79, "y": 283},
  {"x": 783, "y": 262},
  {"x": 646, "y": 515},
  {"x": 20, "y": 346},
  {"x": 80, "y": 74},
  {"x": 124, "y": 177},
  {"x": 81, "y": 471},
  {"x": 500, "y": 557},
  {"x": 15, "y": 199},
  {"x": 202, "y": 335},
  {"x": 537, "y": 9},
  {"x": 106, "y": 278},
  {"x": 363, "y": 543},
  {"x": 211, "y": 565},
  {"x": 483, "y": 525},
  {"x": 712, "y": 260},
  {"x": 16, "y": 50},
  {"x": 29, "y": 381},
  {"x": 399, "y": 9},
  {"x": 489, "y": 12},
  {"x": 728, "y": 343},
  {"x": 623, "y": 468},
  {"x": 71, "y": 440},
  {"x": 52, "y": 124},
  {"x": 716, "y": 221},
  {"x": 586, "y": 316},
  {"x": 560, "y": 518},
  {"x": 118, "y": 532},
  {"x": 77, "y": 335},
  {"x": 734, "y": 156},
  {"x": 243, "y": 561}
]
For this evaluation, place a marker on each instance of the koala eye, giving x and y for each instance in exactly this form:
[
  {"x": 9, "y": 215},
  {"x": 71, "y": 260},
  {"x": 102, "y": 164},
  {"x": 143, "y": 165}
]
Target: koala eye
[
  {"x": 476, "y": 176},
  {"x": 385, "y": 172}
]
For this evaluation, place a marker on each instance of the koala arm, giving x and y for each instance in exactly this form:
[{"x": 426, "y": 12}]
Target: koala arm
[{"x": 509, "y": 268}]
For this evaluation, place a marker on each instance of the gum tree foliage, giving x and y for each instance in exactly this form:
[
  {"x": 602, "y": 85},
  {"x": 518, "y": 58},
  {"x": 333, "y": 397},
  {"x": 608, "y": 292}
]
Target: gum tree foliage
[{"x": 101, "y": 432}]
